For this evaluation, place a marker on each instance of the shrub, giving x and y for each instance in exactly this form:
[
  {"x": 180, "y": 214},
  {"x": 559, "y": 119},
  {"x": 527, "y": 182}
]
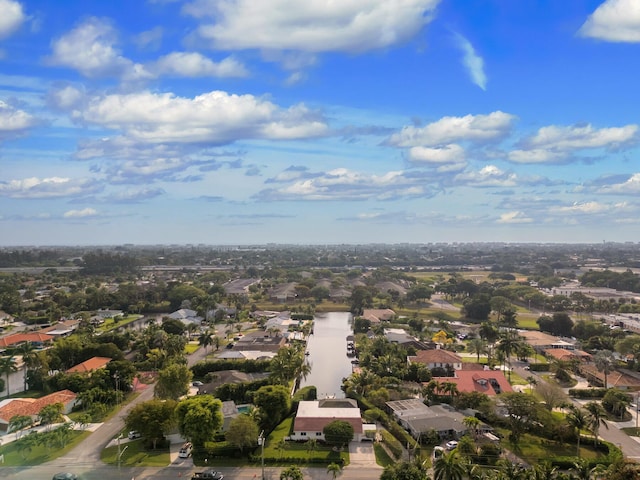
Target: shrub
[
  {"x": 394, "y": 446},
  {"x": 587, "y": 392},
  {"x": 539, "y": 367}
]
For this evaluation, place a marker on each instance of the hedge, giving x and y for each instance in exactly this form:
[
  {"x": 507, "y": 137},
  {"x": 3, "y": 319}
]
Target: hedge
[
  {"x": 200, "y": 369},
  {"x": 392, "y": 443},
  {"x": 587, "y": 392},
  {"x": 539, "y": 367}
]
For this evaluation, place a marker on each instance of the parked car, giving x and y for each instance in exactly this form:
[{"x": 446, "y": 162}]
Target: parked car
[
  {"x": 197, "y": 383},
  {"x": 207, "y": 475},
  {"x": 185, "y": 450},
  {"x": 65, "y": 476},
  {"x": 133, "y": 434},
  {"x": 451, "y": 445}
]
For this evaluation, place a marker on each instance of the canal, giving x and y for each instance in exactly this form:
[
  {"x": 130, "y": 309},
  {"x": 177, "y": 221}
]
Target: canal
[{"x": 327, "y": 349}]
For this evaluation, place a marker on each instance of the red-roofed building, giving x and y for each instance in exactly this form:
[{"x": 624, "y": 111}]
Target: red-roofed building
[
  {"x": 32, "y": 406},
  {"x": 437, "y": 358},
  {"x": 563, "y": 355},
  {"x": 36, "y": 339},
  {"x": 489, "y": 382},
  {"x": 88, "y": 366}
]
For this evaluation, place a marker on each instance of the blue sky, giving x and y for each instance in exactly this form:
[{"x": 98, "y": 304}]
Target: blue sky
[{"x": 359, "y": 121}]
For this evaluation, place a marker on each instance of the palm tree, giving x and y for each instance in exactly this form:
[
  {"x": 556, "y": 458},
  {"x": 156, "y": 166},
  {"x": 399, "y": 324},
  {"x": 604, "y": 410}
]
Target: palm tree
[
  {"x": 472, "y": 423},
  {"x": 448, "y": 467},
  {"x": 334, "y": 469},
  {"x": 582, "y": 470},
  {"x": 605, "y": 362},
  {"x": 8, "y": 366},
  {"x": 577, "y": 420},
  {"x": 30, "y": 359},
  {"x": 205, "y": 339},
  {"x": 595, "y": 418},
  {"x": 508, "y": 344},
  {"x": 477, "y": 346}
]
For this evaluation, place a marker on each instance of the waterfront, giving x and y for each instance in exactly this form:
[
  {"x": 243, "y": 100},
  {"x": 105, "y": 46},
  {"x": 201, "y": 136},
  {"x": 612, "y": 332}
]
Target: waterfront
[{"x": 327, "y": 349}]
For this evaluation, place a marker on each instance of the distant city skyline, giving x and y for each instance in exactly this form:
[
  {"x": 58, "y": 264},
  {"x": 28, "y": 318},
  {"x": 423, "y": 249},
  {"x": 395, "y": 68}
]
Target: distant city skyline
[{"x": 362, "y": 121}]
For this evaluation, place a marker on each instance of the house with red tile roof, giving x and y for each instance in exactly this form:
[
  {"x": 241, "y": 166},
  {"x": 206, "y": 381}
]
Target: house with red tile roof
[
  {"x": 313, "y": 416},
  {"x": 489, "y": 382},
  {"x": 36, "y": 339},
  {"x": 88, "y": 366},
  {"x": 563, "y": 355},
  {"x": 437, "y": 358},
  {"x": 11, "y": 407}
]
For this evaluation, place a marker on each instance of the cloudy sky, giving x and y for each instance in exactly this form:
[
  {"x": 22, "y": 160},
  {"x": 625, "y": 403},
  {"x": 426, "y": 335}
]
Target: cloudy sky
[{"x": 319, "y": 121}]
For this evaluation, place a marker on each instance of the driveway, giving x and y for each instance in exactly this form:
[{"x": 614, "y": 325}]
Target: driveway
[{"x": 362, "y": 455}]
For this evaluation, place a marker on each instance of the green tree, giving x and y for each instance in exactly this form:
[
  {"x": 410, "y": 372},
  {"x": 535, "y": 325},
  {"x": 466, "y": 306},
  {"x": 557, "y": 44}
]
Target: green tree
[
  {"x": 291, "y": 473},
  {"x": 8, "y": 366},
  {"x": 334, "y": 470},
  {"x": 338, "y": 432},
  {"x": 29, "y": 359},
  {"x": 522, "y": 411},
  {"x": 404, "y": 471},
  {"x": 153, "y": 419},
  {"x": 274, "y": 401},
  {"x": 477, "y": 346},
  {"x": 577, "y": 419},
  {"x": 199, "y": 418},
  {"x": 595, "y": 418},
  {"x": 448, "y": 467},
  {"x": 205, "y": 339},
  {"x": 604, "y": 362},
  {"x": 242, "y": 432},
  {"x": 173, "y": 381},
  {"x": 18, "y": 423},
  {"x": 51, "y": 413}
]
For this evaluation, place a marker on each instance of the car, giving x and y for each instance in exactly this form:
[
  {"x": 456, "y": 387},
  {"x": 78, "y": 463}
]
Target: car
[
  {"x": 451, "y": 445},
  {"x": 527, "y": 367},
  {"x": 197, "y": 383},
  {"x": 185, "y": 450},
  {"x": 133, "y": 434},
  {"x": 65, "y": 476}
]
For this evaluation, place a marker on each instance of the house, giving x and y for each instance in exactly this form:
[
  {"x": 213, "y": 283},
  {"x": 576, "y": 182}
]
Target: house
[
  {"x": 283, "y": 292},
  {"x": 437, "y": 358},
  {"x": 32, "y": 406},
  {"x": 489, "y": 382},
  {"x": 260, "y": 341},
  {"x": 186, "y": 316},
  {"x": 312, "y": 416},
  {"x": 224, "y": 377},
  {"x": 621, "y": 378},
  {"x": 239, "y": 286},
  {"x": 541, "y": 341},
  {"x": 377, "y": 315},
  {"x": 61, "y": 329},
  {"x": 562, "y": 355},
  {"x": 91, "y": 365},
  {"x": 418, "y": 418},
  {"x": 36, "y": 339},
  {"x": 245, "y": 355},
  {"x": 401, "y": 337}
]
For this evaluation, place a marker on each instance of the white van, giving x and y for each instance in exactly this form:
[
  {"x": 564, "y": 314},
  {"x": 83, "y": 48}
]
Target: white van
[{"x": 185, "y": 450}]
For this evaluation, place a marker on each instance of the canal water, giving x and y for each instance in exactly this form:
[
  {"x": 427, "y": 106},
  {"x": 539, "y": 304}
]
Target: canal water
[{"x": 327, "y": 349}]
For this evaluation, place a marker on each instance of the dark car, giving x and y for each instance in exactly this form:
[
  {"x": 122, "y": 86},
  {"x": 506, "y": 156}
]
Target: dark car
[{"x": 65, "y": 476}]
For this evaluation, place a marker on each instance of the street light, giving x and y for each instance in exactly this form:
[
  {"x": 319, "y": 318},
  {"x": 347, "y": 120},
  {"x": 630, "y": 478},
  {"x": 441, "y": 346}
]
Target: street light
[
  {"x": 120, "y": 453},
  {"x": 261, "y": 443}
]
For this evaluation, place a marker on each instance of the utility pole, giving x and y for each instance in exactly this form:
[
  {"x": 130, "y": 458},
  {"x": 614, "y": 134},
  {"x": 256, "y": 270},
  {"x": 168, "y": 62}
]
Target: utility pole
[
  {"x": 120, "y": 453},
  {"x": 261, "y": 443}
]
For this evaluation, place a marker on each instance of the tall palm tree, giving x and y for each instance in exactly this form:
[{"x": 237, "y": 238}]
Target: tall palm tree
[
  {"x": 472, "y": 423},
  {"x": 205, "y": 339},
  {"x": 507, "y": 345},
  {"x": 577, "y": 420},
  {"x": 604, "y": 362},
  {"x": 477, "y": 346},
  {"x": 8, "y": 366},
  {"x": 582, "y": 470},
  {"x": 595, "y": 418},
  {"x": 448, "y": 467},
  {"x": 30, "y": 359}
]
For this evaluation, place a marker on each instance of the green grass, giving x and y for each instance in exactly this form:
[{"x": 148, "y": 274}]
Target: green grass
[
  {"x": 13, "y": 457},
  {"x": 135, "y": 455},
  {"x": 631, "y": 431},
  {"x": 533, "y": 449},
  {"x": 110, "y": 323},
  {"x": 516, "y": 379},
  {"x": 382, "y": 457},
  {"x": 527, "y": 322},
  {"x": 189, "y": 348}
]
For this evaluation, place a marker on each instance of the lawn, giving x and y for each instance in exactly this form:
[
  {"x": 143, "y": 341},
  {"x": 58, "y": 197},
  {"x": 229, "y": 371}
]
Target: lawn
[
  {"x": 527, "y": 322},
  {"x": 534, "y": 449},
  {"x": 110, "y": 323},
  {"x": 14, "y": 457},
  {"x": 191, "y": 347},
  {"x": 133, "y": 454},
  {"x": 382, "y": 457}
]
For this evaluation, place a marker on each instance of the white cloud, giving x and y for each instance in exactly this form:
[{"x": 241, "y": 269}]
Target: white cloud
[
  {"x": 590, "y": 208},
  {"x": 213, "y": 118},
  {"x": 514, "y": 217},
  {"x": 90, "y": 49},
  {"x": 614, "y": 21},
  {"x": 311, "y": 25},
  {"x": 53, "y": 187},
  {"x": 11, "y": 17},
  {"x": 631, "y": 186},
  {"x": 472, "y": 128},
  {"x": 192, "y": 64},
  {"x": 84, "y": 213},
  {"x": 473, "y": 62},
  {"x": 150, "y": 39},
  {"x": 14, "y": 121},
  {"x": 451, "y": 153},
  {"x": 536, "y": 155},
  {"x": 569, "y": 138},
  {"x": 488, "y": 176},
  {"x": 66, "y": 97}
]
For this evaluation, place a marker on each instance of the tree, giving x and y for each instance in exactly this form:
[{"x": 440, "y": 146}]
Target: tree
[
  {"x": 338, "y": 432},
  {"x": 242, "y": 432},
  {"x": 478, "y": 346},
  {"x": 153, "y": 419},
  {"x": 173, "y": 381},
  {"x": 291, "y": 473},
  {"x": 552, "y": 395},
  {"x": 8, "y": 366},
  {"x": 29, "y": 359},
  {"x": 404, "y": 471},
  {"x": 577, "y": 420},
  {"x": 334, "y": 470},
  {"x": 521, "y": 413},
  {"x": 604, "y": 362},
  {"x": 205, "y": 339},
  {"x": 448, "y": 467},
  {"x": 199, "y": 418},
  {"x": 472, "y": 423},
  {"x": 18, "y": 423},
  {"x": 595, "y": 418},
  {"x": 616, "y": 402},
  {"x": 274, "y": 401},
  {"x": 51, "y": 413}
]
